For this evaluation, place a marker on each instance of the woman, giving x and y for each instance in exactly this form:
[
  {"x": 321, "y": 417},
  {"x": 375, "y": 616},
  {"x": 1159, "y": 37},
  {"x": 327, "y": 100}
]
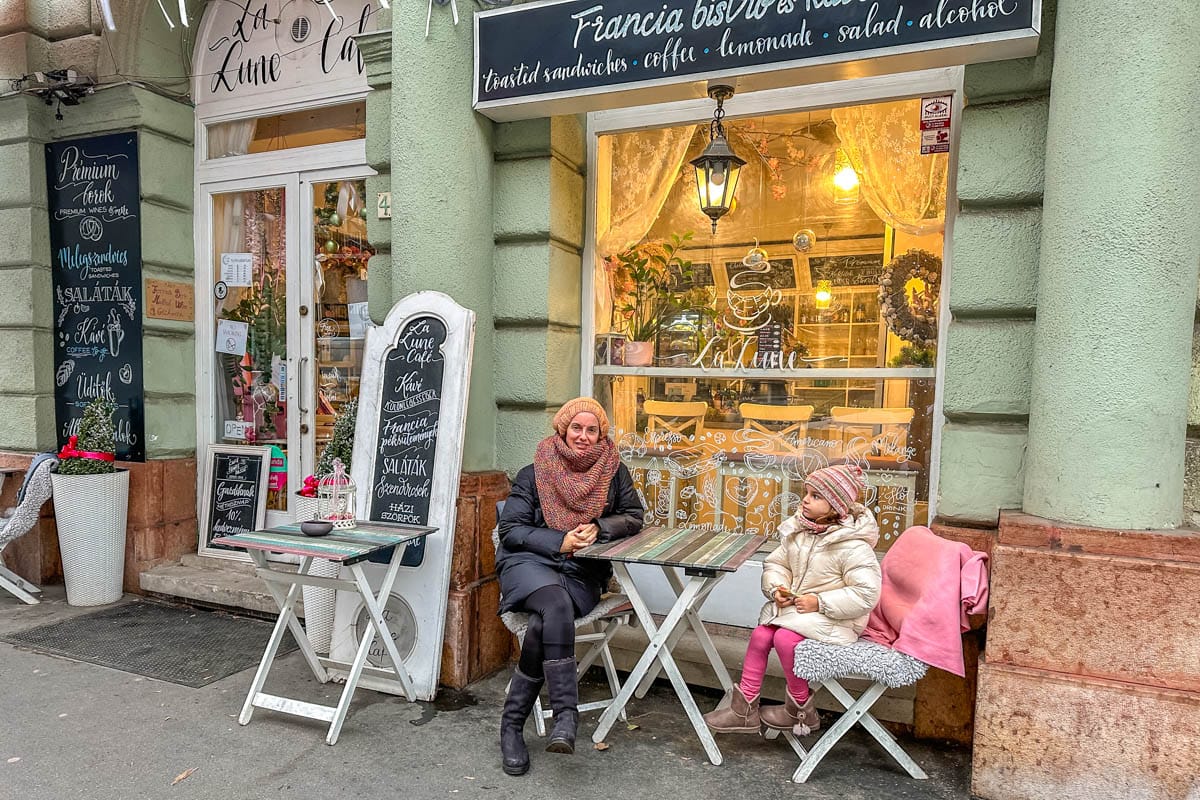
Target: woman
[{"x": 575, "y": 493}]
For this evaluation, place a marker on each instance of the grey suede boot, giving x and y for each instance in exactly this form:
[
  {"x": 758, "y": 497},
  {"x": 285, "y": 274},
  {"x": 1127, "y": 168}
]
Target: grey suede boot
[
  {"x": 522, "y": 694},
  {"x": 740, "y": 716},
  {"x": 562, "y": 684}
]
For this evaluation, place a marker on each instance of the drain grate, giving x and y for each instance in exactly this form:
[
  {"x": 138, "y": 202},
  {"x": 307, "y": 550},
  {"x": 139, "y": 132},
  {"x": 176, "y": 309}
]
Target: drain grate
[{"x": 180, "y": 645}]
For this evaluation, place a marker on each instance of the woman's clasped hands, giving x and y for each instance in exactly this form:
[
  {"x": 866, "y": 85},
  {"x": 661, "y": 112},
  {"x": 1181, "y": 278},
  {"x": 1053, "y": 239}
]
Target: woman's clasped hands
[{"x": 579, "y": 537}]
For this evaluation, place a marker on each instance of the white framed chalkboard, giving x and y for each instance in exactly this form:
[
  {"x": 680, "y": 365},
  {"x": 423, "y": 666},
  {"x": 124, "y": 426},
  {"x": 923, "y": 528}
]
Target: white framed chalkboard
[
  {"x": 234, "y": 498},
  {"x": 412, "y": 413}
]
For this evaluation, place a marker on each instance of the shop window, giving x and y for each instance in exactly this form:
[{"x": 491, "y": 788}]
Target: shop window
[
  {"x": 802, "y": 333},
  {"x": 315, "y": 126}
]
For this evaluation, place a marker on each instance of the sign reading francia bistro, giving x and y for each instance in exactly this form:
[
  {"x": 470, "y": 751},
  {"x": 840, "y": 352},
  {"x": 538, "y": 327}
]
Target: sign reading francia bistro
[{"x": 572, "y": 48}]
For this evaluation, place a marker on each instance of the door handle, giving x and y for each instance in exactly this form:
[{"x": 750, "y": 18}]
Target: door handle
[{"x": 300, "y": 384}]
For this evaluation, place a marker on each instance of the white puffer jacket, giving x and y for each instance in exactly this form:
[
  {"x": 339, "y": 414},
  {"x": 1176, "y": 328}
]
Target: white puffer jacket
[{"x": 839, "y": 566}]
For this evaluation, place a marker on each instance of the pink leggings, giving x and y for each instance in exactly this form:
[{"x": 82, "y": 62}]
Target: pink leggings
[{"x": 762, "y": 640}]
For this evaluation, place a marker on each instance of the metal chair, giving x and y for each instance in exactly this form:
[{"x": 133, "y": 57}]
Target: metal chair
[
  {"x": 34, "y": 493},
  {"x": 598, "y": 627}
]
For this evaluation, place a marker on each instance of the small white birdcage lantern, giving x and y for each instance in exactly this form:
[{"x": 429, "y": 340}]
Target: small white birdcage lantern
[{"x": 337, "y": 497}]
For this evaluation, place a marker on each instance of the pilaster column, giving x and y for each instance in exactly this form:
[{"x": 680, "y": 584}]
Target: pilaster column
[{"x": 1117, "y": 276}]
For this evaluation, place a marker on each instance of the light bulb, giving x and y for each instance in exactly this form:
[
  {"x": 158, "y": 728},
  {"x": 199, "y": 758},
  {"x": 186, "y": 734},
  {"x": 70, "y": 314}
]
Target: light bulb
[{"x": 846, "y": 179}]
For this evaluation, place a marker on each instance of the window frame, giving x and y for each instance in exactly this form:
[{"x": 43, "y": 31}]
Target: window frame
[{"x": 878, "y": 89}]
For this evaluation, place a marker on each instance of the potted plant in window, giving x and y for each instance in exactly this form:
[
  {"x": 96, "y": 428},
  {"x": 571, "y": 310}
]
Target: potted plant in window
[
  {"x": 91, "y": 501},
  {"x": 651, "y": 285}
]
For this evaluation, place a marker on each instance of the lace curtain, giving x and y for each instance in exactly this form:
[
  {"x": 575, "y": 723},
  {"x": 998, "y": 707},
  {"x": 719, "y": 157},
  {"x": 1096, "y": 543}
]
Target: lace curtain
[
  {"x": 635, "y": 174},
  {"x": 904, "y": 188}
]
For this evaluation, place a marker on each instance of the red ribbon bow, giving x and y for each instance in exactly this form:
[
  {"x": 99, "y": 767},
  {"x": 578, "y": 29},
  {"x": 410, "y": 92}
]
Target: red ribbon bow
[{"x": 69, "y": 451}]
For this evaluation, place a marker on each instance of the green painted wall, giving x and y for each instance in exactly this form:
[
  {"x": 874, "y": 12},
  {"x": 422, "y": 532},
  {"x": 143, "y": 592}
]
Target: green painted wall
[
  {"x": 993, "y": 284},
  {"x": 49, "y": 36},
  {"x": 1119, "y": 252},
  {"x": 538, "y": 215},
  {"x": 441, "y": 184}
]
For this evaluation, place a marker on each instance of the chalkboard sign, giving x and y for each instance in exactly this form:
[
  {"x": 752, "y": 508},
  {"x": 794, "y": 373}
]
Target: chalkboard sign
[
  {"x": 854, "y": 270},
  {"x": 96, "y": 256},
  {"x": 780, "y": 274},
  {"x": 409, "y": 410},
  {"x": 581, "y": 47},
  {"x": 235, "y": 494}
]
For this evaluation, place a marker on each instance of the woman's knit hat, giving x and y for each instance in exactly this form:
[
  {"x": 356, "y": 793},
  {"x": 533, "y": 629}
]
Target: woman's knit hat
[
  {"x": 578, "y": 406},
  {"x": 840, "y": 486}
]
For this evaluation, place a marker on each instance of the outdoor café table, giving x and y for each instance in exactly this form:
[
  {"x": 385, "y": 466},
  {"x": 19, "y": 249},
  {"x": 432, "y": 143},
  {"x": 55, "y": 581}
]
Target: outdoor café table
[
  {"x": 349, "y": 548},
  {"x": 706, "y": 557}
]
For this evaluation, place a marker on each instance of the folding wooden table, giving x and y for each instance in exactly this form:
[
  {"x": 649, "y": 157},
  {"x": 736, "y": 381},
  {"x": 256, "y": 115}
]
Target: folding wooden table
[
  {"x": 706, "y": 557},
  {"x": 349, "y": 548}
]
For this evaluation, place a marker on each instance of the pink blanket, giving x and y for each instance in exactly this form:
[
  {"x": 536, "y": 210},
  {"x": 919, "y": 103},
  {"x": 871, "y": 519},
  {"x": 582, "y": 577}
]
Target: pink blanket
[{"x": 930, "y": 584}]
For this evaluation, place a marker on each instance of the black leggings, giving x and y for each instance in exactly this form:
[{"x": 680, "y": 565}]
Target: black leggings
[{"x": 551, "y": 632}]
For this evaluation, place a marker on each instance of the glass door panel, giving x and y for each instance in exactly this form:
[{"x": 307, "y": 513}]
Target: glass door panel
[
  {"x": 249, "y": 252},
  {"x": 341, "y": 252}
]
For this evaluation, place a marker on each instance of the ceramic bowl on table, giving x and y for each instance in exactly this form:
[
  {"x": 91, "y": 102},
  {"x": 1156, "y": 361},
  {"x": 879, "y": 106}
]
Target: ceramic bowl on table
[{"x": 316, "y": 527}]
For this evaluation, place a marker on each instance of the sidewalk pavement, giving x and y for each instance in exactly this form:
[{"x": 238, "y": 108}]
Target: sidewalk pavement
[{"x": 74, "y": 730}]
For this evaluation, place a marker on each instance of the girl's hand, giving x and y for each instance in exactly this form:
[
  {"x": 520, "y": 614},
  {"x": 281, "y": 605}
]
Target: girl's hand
[
  {"x": 782, "y": 597},
  {"x": 807, "y": 603}
]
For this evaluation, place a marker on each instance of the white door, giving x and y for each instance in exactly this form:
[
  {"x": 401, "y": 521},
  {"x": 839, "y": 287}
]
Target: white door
[{"x": 280, "y": 318}]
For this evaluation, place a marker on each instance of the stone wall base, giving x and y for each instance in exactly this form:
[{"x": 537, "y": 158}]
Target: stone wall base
[
  {"x": 161, "y": 524},
  {"x": 1091, "y": 682},
  {"x": 476, "y": 643}
]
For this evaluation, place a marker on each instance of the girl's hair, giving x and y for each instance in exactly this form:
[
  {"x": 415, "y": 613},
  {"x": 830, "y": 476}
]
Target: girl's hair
[{"x": 829, "y": 519}]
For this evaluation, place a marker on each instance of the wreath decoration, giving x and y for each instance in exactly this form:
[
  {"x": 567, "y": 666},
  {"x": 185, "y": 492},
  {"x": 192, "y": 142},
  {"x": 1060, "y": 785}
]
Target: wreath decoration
[{"x": 912, "y": 320}]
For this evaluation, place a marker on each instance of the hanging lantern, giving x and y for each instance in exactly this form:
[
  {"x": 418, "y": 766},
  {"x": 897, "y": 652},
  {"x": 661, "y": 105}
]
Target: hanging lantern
[
  {"x": 845, "y": 180},
  {"x": 823, "y": 295},
  {"x": 718, "y": 167},
  {"x": 337, "y": 497}
]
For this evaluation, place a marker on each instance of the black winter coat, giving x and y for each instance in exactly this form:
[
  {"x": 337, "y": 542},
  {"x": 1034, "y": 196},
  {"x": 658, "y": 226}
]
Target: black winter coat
[{"x": 529, "y": 557}]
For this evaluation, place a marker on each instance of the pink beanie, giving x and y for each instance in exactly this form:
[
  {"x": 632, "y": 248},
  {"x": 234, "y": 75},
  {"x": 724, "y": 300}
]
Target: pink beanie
[
  {"x": 840, "y": 486},
  {"x": 562, "y": 419}
]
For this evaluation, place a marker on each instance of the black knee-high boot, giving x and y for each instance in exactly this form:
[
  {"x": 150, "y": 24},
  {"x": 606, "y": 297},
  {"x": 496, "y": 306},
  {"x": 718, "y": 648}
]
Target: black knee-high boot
[
  {"x": 522, "y": 694},
  {"x": 563, "y": 686}
]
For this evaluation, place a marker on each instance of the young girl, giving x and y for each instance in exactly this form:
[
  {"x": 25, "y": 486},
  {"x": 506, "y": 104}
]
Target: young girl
[{"x": 822, "y": 581}]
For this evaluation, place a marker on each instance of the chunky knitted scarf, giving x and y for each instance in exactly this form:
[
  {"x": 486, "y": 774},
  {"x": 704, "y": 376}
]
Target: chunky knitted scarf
[{"x": 573, "y": 487}]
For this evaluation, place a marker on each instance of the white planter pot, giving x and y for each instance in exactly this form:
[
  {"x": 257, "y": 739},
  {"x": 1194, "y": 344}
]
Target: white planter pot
[
  {"x": 318, "y": 602},
  {"x": 90, "y": 511},
  {"x": 639, "y": 354}
]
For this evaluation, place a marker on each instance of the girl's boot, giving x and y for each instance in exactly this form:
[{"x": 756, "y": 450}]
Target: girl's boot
[
  {"x": 522, "y": 694},
  {"x": 802, "y": 718},
  {"x": 740, "y": 717}
]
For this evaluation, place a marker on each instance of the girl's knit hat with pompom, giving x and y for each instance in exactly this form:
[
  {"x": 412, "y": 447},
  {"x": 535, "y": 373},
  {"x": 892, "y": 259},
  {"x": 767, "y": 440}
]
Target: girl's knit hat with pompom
[{"x": 841, "y": 486}]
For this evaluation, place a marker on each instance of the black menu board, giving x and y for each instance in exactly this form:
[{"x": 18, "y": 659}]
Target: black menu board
[
  {"x": 410, "y": 405},
  {"x": 235, "y": 492},
  {"x": 96, "y": 255}
]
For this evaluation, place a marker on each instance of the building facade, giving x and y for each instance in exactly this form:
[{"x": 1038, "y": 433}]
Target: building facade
[{"x": 1043, "y": 416}]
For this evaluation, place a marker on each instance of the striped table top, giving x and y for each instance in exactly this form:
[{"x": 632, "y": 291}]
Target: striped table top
[
  {"x": 344, "y": 547},
  {"x": 690, "y": 548}
]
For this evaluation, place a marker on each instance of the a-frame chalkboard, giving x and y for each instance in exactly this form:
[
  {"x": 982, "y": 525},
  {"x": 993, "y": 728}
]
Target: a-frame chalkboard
[{"x": 412, "y": 414}]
